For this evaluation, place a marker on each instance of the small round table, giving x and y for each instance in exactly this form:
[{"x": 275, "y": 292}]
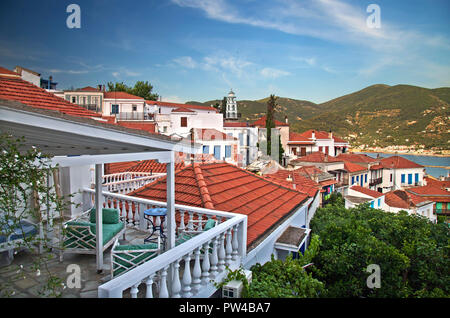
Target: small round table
[{"x": 148, "y": 215}]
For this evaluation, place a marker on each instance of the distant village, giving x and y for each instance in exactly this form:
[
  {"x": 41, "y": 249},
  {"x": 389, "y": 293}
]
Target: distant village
[{"x": 219, "y": 166}]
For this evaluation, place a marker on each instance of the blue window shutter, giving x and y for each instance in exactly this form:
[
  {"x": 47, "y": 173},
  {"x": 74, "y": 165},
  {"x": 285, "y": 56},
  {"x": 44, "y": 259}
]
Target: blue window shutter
[
  {"x": 206, "y": 149},
  {"x": 403, "y": 178},
  {"x": 416, "y": 177},
  {"x": 227, "y": 151},
  {"x": 217, "y": 152},
  {"x": 372, "y": 204},
  {"x": 379, "y": 202},
  {"x": 410, "y": 178},
  {"x": 353, "y": 179}
]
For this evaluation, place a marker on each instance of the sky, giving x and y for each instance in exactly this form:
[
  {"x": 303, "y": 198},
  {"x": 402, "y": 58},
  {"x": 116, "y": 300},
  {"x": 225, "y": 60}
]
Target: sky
[{"x": 198, "y": 50}]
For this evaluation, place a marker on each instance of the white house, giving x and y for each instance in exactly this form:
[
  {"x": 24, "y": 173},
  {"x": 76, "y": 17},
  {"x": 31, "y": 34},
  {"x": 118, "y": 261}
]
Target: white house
[
  {"x": 399, "y": 200},
  {"x": 216, "y": 143},
  {"x": 302, "y": 144},
  {"x": 248, "y": 140},
  {"x": 356, "y": 195},
  {"x": 400, "y": 173},
  {"x": 123, "y": 106}
]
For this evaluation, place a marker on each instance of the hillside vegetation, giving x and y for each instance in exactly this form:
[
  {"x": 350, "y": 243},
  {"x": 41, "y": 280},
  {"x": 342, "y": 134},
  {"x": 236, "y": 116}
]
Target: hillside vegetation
[{"x": 379, "y": 115}]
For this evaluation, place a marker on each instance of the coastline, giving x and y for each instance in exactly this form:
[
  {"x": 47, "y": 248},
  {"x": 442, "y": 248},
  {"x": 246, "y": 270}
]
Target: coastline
[{"x": 390, "y": 152}]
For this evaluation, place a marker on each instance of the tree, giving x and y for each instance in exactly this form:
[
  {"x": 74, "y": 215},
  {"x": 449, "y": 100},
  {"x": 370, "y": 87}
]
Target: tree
[
  {"x": 286, "y": 278},
  {"x": 270, "y": 121},
  {"x": 140, "y": 88},
  {"x": 223, "y": 109},
  {"x": 411, "y": 251},
  {"x": 25, "y": 195}
]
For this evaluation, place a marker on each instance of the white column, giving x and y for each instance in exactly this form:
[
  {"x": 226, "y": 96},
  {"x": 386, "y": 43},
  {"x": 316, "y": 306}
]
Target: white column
[
  {"x": 99, "y": 216},
  {"x": 170, "y": 217}
]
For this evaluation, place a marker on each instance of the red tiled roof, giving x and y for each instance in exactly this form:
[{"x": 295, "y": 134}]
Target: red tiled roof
[
  {"x": 353, "y": 167},
  {"x": 207, "y": 134},
  {"x": 235, "y": 124},
  {"x": 182, "y": 110},
  {"x": 317, "y": 156},
  {"x": 443, "y": 184},
  {"x": 429, "y": 190},
  {"x": 167, "y": 104},
  {"x": 298, "y": 138},
  {"x": 16, "y": 89},
  {"x": 262, "y": 122},
  {"x": 232, "y": 189},
  {"x": 402, "y": 199},
  {"x": 152, "y": 166},
  {"x": 356, "y": 158},
  {"x": 371, "y": 193},
  {"x": 318, "y": 134},
  {"x": 117, "y": 167},
  {"x": 376, "y": 167},
  {"x": 5, "y": 71},
  {"x": 398, "y": 162},
  {"x": 301, "y": 182},
  {"x": 120, "y": 95},
  {"x": 89, "y": 89},
  {"x": 150, "y": 127}
]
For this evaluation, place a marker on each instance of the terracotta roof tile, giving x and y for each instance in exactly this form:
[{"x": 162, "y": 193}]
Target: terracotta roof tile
[
  {"x": 317, "y": 156},
  {"x": 356, "y": 158},
  {"x": 232, "y": 189},
  {"x": 371, "y": 193},
  {"x": 353, "y": 167},
  {"x": 16, "y": 89},
  {"x": 403, "y": 199},
  {"x": 121, "y": 95},
  {"x": 398, "y": 162}
]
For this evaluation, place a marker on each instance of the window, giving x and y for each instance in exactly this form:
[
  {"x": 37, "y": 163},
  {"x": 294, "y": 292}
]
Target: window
[
  {"x": 183, "y": 121},
  {"x": 165, "y": 129},
  {"x": 416, "y": 178},
  {"x": 114, "y": 109},
  {"x": 74, "y": 99},
  {"x": 206, "y": 149},
  {"x": 391, "y": 177},
  {"x": 217, "y": 152},
  {"x": 410, "y": 178},
  {"x": 379, "y": 203},
  {"x": 353, "y": 179},
  {"x": 134, "y": 108},
  {"x": 365, "y": 178},
  {"x": 357, "y": 179},
  {"x": 403, "y": 178},
  {"x": 227, "y": 151},
  {"x": 372, "y": 204}
]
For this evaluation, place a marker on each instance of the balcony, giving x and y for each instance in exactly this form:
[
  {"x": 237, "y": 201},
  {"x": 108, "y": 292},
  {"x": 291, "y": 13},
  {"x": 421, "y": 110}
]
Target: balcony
[
  {"x": 138, "y": 116},
  {"x": 374, "y": 182},
  {"x": 191, "y": 265},
  {"x": 126, "y": 182}
]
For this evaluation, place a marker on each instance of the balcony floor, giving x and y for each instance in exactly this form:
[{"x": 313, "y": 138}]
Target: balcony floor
[{"x": 24, "y": 283}]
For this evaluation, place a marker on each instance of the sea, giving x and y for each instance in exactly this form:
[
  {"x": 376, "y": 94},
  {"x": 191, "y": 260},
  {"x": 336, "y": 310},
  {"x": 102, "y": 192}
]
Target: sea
[{"x": 422, "y": 160}]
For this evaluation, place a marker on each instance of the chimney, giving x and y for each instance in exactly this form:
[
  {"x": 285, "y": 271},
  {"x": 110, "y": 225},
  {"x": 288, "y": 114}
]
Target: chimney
[
  {"x": 286, "y": 119},
  {"x": 313, "y": 135},
  {"x": 330, "y": 134},
  {"x": 50, "y": 78}
]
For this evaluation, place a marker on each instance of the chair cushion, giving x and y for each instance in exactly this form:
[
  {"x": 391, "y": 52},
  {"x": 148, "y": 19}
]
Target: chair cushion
[
  {"x": 209, "y": 225},
  {"x": 108, "y": 231},
  {"x": 150, "y": 246},
  {"x": 110, "y": 216}
]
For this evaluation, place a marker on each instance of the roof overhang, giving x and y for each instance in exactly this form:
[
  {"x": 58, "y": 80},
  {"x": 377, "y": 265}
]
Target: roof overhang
[
  {"x": 72, "y": 139},
  {"x": 292, "y": 239}
]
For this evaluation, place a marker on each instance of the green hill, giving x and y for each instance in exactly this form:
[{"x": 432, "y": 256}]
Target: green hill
[{"x": 379, "y": 115}]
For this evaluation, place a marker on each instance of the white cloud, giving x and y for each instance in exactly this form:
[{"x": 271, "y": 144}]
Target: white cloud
[
  {"x": 185, "y": 61},
  {"x": 273, "y": 72}
]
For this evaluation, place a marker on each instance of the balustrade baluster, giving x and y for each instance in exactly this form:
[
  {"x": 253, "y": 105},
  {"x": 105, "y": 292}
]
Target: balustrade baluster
[
  {"x": 134, "y": 290},
  {"x": 187, "y": 279},
  {"x": 149, "y": 286},
  {"x": 181, "y": 227},
  {"x": 235, "y": 243},
  {"x": 196, "y": 273},
  {"x": 205, "y": 265},
  {"x": 221, "y": 252},
  {"x": 200, "y": 221},
  {"x": 214, "y": 258},
  {"x": 229, "y": 248},
  {"x": 163, "y": 292},
  {"x": 176, "y": 285},
  {"x": 191, "y": 221}
]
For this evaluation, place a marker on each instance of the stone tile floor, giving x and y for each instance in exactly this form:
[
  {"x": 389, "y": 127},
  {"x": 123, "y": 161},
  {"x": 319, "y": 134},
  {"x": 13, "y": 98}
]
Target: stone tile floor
[{"x": 20, "y": 279}]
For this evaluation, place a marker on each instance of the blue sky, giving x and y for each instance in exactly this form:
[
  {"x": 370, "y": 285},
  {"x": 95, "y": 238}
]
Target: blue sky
[{"x": 199, "y": 49}]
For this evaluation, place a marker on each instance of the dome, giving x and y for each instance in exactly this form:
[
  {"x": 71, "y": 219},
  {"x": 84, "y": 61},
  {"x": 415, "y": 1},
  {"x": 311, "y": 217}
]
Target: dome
[{"x": 231, "y": 93}]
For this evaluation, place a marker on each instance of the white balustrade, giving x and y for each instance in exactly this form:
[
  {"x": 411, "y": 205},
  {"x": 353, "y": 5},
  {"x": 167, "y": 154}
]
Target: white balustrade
[
  {"x": 207, "y": 252},
  {"x": 126, "y": 182}
]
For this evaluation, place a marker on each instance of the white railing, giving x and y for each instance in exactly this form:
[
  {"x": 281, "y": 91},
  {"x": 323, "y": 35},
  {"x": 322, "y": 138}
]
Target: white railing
[
  {"x": 168, "y": 275},
  {"x": 126, "y": 182}
]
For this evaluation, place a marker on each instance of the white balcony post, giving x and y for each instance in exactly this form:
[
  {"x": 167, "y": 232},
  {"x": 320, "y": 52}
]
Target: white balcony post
[
  {"x": 170, "y": 217},
  {"x": 99, "y": 216}
]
